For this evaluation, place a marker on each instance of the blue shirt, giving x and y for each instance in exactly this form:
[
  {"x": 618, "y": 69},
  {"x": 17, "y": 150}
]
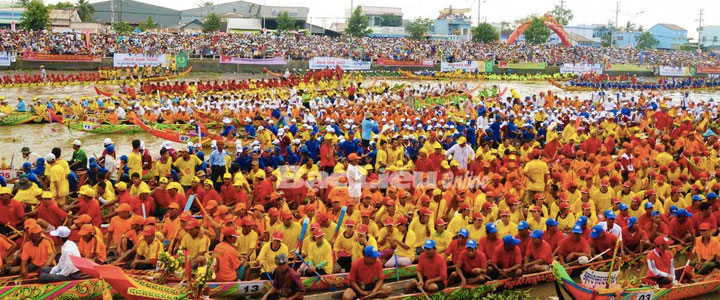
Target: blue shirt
[
  {"x": 21, "y": 107},
  {"x": 368, "y": 127},
  {"x": 217, "y": 158}
]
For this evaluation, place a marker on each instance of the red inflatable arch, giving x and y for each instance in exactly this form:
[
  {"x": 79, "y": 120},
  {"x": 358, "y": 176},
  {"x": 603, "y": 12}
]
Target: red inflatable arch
[{"x": 550, "y": 22}]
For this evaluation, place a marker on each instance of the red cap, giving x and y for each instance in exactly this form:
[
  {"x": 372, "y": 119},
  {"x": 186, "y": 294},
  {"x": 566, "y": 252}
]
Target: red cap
[
  {"x": 705, "y": 226},
  {"x": 390, "y": 202},
  {"x": 321, "y": 218},
  {"x": 401, "y": 220},
  {"x": 477, "y": 215},
  {"x": 425, "y": 211},
  {"x": 635, "y": 199},
  {"x": 660, "y": 240},
  {"x": 229, "y": 231},
  {"x": 273, "y": 211},
  {"x": 277, "y": 235},
  {"x": 536, "y": 208},
  {"x": 627, "y": 184},
  {"x": 287, "y": 215},
  {"x": 512, "y": 201},
  {"x": 586, "y": 205},
  {"x": 318, "y": 232},
  {"x": 650, "y": 192},
  {"x": 585, "y": 190},
  {"x": 349, "y": 222},
  {"x": 504, "y": 212},
  {"x": 487, "y": 205},
  {"x": 192, "y": 224},
  {"x": 538, "y": 196},
  {"x": 604, "y": 182},
  {"x": 564, "y": 205},
  {"x": 362, "y": 228},
  {"x": 388, "y": 221},
  {"x": 616, "y": 200},
  {"x": 366, "y": 213},
  {"x": 425, "y": 198},
  {"x": 464, "y": 205},
  {"x": 148, "y": 230},
  {"x": 440, "y": 221}
]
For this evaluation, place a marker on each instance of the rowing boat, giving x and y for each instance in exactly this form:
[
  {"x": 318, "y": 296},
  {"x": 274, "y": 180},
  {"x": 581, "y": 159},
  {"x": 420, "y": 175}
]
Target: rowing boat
[
  {"x": 83, "y": 289},
  {"x": 104, "y": 128},
  {"x": 19, "y": 118},
  {"x": 106, "y": 93},
  {"x": 98, "y": 82},
  {"x": 571, "y": 88},
  {"x": 681, "y": 291},
  {"x": 175, "y": 135}
]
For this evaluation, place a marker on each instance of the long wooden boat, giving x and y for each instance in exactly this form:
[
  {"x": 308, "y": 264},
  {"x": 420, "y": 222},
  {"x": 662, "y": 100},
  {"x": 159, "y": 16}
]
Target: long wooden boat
[
  {"x": 98, "y": 82},
  {"x": 175, "y": 135},
  {"x": 83, "y": 289},
  {"x": 570, "y": 88},
  {"x": 104, "y": 128},
  {"x": 107, "y": 93},
  {"x": 19, "y": 118},
  {"x": 682, "y": 291}
]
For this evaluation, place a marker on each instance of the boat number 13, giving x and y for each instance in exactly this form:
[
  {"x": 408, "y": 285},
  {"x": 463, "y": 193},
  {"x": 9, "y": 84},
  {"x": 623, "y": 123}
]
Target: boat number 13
[
  {"x": 645, "y": 296},
  {"x": 253, "y": 288}
]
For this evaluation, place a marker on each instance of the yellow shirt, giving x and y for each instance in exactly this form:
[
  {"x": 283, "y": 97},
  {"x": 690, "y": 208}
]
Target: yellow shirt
[
  {"x": 381, "y": 157},
  {"x": 267, "y": 256},
  {"x": 539, "y": 224},
  {"x": 29, "y": 196},
  {"x": 409, "y": 240},
  {"x": 290, "y": 234},
  {"x": 437, "y": 209},
  {"x": 135, "y": 190},
  {"x": 345, "y": 244},
  {"x": 442, "y": 240},
  {"x": 458, "y": 222},
  {"x": 246, "y": 243},
  {"x": 320, "y": 254},
  {"x": 187, "y": 169},
  {"x": 357, "y": 250},
  {"x": 195, "y": 246},
  {"x": 59, "y": 185},
  {"x": 151, "y": 251},
  {"x": 134, "y": 163},
  {"x": 163, "y": 169},
  {"x": 706, "y": 251},
  {"x": 420, "y": 231},
  {"x": 503, "y": 230},
  {"x": 536, "y": 170},
  {"x": 566, "y": 223}
]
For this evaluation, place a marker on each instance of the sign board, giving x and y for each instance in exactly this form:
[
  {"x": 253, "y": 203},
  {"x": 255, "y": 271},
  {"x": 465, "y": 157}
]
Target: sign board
[
  {"x": 467, "y": 66},
  {"x": 674, "y": 71},
  {"x": 581, "y": 68},
  {"x": 523, "y": 65},
  {"x": 35, "y": 56},
  {"x": 404, "y": 63},
  {"x": 5, "y": 59},
  {"x": 131, "y": 60},
  {"x": 627, "y": 68},
  {"x": 274, "y": 61},
  {"x": 344, "y": 63},
  {"x": 596, "y": 279}
]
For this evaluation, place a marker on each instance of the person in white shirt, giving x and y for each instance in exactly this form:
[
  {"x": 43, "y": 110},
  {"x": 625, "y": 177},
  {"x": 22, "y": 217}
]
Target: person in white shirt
[
  {"x": 110, "y": 163},
  {"x": 461, "y": 152},
  {"x": 354, "y": 177},
  {"x": 64, "y": 270},
  {"x": 610, "y": 226}
]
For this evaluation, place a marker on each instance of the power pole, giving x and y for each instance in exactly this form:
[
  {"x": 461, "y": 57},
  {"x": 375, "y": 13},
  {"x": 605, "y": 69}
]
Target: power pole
[
  {"x": 612, "y": 32},
  {"x": 700, "y": 21},
  {"x": 112, "y": 11},
  {"x": 479, "y": 2}
]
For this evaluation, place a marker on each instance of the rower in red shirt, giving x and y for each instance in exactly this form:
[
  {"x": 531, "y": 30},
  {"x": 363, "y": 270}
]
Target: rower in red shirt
[
  {"x": 634, "y": 238},
  {"x": 471, "y": 267},
  {"x": 657, "y": 226},
  {"x": 524, "y": 236},
  {"x": 573, "y": 246},
  {"x": 457, "y": 245},
  {"x": 13, "y": 211},
  {"x": 602, "y": 242},
  {"x": 431, "y": 271},
  {"x": 539, "y": 254},
  {"x": 681, "y": 228},
  {"x": 49, "y": 211},
  {"x": 507, "y": 259},
  {"x": 705, "y": 215},
  {"x": 490, "y": 241},
  {"x": 661, "y": 265},
  {"x": 366, "y": 276},
  {"x": 552, "y": 235}
]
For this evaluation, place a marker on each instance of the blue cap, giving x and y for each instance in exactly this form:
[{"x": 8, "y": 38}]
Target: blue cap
[
  {"x": 429, "y": 244},
  {"x": 93, "y": 165},
  {"x": 370, "y": 251},
  {"x": 655, "y": 213},
  {"x": 711, "y": 196},
  {"x": 623, "y": 206},
  {"x": 577, "y": 229},
  {"x": 523, "y": 225},
  {"x": 509, "y": 239},
  {"x": 697, "y": 198},
  {"x": 582, "y": 220},
  {"x": 597, "y": 230},
  {"x": 683, "y": 213},
  {"x": 110, "y": 148},
  {"x": 464, "y": 232},
  {"x": 609, "y": 214},
  {"x": 27, "y": 165},
  {"x": 491, "y": 228},
  {"x": 632, "y": 221},
  {"x": 648, "y": 205},
  {"x": 471, "y": 244},
  {"x": 673, "y": 210},
  {"x": 551, "y": 222},
  {"x": 537, "y": 234}
]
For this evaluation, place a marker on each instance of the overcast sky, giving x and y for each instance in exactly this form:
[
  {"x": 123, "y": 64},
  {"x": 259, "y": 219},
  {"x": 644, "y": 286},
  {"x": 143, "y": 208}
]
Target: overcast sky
[{"x": 647, "y": 13}]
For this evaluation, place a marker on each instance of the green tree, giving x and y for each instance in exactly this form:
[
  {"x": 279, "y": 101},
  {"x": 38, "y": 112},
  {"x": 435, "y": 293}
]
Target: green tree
[
  {"x": 206, "y": 3},
  {"x": 418, "y": 28},
  {"x": 85, "y": 10},
  {"x": 21, "y": 3},
  {"x": 358, "y": 24},
  {"x": 122, "y": 27},
  {"x": 485, "y": 33},
  {"x": 211, "y": 23},
  {"x": 390, "y": 20},
  {"x": 147, "y": 24},
  {"x": 562, "y": 15},
  {"x": 537, "y": 32},
  {"x": 36, "y": 16},
  {"x": 646, "y": 41},
  {"x": 285, "y": 23},
  {"x": 61, "y": 5}
]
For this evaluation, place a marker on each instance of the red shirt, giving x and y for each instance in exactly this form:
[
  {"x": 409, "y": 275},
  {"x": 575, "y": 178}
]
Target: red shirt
[
  {"x": 326, "y": 150},
  {"x": 12, "y": 213},
  {"x": 228, "y": 192},
  {"x": 607, "y": 241},
  {"x": 179, "y": 199},
  {"x": 662, "y": 261},
  {"x": 432, "y": 267},
  {"x": 698, "y": 219},
  {"x": 505, "y": 259},
  {"x": 489, "y": 246},
  {"x": 92, "y": 208},
  {"x": 199, "y": 193},
  {"x": 162, "y": 197},
  {"x": 123, "y": 197},
  {"x": 137, "y": 206},
  {"x": 633, "y": 239},
  {"x": 553, "y": 238},
  {"x": 467, "y": 264},
  {"x": 679, "y": 230},
  {"x": 454, "y": 249},
  {"x": 51, "y": 213},
  {"x": 661, "y": 228},
  {"x": 568, "y": 246},
  {"x": 542, "y": 251},
  {"x": 212, "y": 194},
  {"x": 524, "y": 242},
  {"x": 265, "y": 188},
  {"x": 361, "y": 273}
]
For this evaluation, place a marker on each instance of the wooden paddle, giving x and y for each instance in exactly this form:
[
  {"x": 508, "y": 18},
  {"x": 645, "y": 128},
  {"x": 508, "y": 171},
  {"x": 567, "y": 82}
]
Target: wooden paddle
[{"x": 423, "y": 292}]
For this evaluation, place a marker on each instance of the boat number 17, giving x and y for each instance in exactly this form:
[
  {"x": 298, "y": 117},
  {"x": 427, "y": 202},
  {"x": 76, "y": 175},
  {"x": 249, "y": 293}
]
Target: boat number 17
[{"x": 645, "y": 296}]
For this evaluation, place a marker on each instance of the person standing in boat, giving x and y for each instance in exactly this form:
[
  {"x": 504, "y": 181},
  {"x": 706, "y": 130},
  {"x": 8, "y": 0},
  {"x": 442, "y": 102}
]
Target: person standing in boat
[{"x": 661, "y": 264}]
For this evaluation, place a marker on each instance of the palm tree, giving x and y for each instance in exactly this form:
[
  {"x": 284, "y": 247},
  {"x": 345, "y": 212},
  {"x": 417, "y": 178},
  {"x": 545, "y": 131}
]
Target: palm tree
[{"x": 85, "y": 10}]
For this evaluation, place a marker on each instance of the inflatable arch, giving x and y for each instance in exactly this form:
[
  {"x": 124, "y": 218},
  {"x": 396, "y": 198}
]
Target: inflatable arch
[{"x": 550, "y": 22}]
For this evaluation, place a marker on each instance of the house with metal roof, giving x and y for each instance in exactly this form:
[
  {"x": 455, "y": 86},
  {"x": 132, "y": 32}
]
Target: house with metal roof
[{"x": 669, "y": 36}]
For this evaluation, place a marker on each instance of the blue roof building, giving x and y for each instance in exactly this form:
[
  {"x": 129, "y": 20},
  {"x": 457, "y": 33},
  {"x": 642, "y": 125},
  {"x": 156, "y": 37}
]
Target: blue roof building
[{"x": 669, "y": 36}]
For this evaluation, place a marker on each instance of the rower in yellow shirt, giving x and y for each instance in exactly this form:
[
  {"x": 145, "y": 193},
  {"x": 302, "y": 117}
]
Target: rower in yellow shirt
[
  {"x": 421, "y": 226},
  {"x": 195, "y": 242},
  {"x": 319, "y": 256},
  {"x": 461, "y": 219},
  {"x": 441, "y": 236},
  {"x": 266, "y": 257},
  {"x": 505, "y": 226}
]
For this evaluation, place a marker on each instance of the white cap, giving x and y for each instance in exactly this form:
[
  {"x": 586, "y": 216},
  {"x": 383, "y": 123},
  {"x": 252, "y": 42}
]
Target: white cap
[
  {"x": 107, "y": 141},
  {"x": 49, "y": 157},
  {"x": 61, "y": 231},
  {"x": 167, "y": 145},
  {"x": 77, "y": 143}
]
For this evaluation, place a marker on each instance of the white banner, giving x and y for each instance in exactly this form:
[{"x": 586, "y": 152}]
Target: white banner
[
  {"x": 581, "y": 68},
  {"x": 344, "y": 63},
  {"x": 596, "y": 279},
  {"x": 131, "y": 60},
  {"x": 468, "y": 66},
  {"x": 5, "y": 59},
  {"x": 674, "y": 71}
]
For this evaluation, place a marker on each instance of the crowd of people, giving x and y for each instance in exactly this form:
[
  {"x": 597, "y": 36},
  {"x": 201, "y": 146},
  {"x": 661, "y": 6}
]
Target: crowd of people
[
  {"x": 302, "y": 47},
  {"x": 470, "y": 190}
]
